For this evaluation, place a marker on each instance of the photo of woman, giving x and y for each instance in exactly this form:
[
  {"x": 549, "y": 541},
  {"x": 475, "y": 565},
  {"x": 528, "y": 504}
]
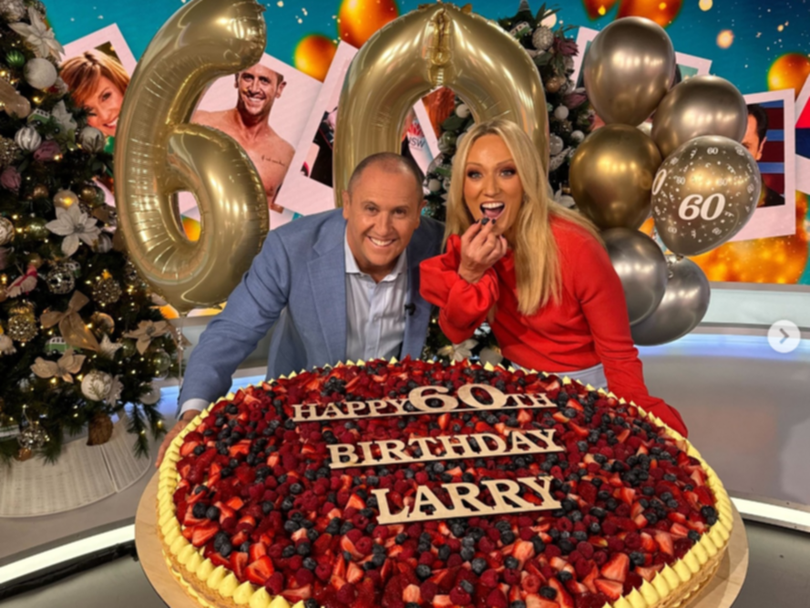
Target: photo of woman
[{"x": 98, "y": 82}]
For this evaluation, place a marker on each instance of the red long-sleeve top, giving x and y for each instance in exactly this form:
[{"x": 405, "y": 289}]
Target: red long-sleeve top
[{"x": 587, "y": 326}]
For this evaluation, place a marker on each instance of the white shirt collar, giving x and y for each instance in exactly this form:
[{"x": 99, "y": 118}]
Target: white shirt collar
[{"x": 352, "y": 268}]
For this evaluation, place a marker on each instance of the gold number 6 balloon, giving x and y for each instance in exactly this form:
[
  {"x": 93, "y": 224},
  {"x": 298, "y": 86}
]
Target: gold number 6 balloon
[
  {"x": 159, "y": 153},
  {"x": 435, "y": 45}
]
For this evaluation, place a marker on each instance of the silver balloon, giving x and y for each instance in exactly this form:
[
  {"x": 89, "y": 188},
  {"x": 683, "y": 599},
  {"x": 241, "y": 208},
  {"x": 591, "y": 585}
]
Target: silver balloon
[
  {"x": 704, "y": 193},
  {"x": 628, "y": 69},
  {"x": 641, "y": 267},
  {"x": 702, "y": 105},
  {"x": 684, "y": 305}
]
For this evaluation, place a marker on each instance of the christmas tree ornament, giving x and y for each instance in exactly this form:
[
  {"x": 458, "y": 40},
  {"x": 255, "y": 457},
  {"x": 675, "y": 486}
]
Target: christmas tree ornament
[
  {"x": 71, "y": 325},
  {"x": 96, "y": 385},
  {"x": 520, "y": 29},
  {"x": 128, "y": 349},
  {"x": 8, "y": 150},
  {"x": 102, "y": 323},
  {"x": 6, "y": 231},
  {"x": 151, "y": 396},
  {"x": 34, "y": 259},
  {"x": 75, "y": 226},
  {"x": 91, "y": 140},
  {"x": 28, "y": 139},
  {"x": 434, "y": 185},
  {"x": 68, "y": 364},
  {"x": 555, "y": 144},
  {"x": 130, "y": 273},
  {"x": 577, "y": 136},
  {"x": 557, "y": 161},
  {"x": 109, "y": 348},
  {"x": 542, "y": 38},
  {"x": 87, "y": 194},
  {"x": 568, "y": 63},
  {"x": 100, "y": 429},
  {"x": 14, "y": 58},
  {"x": 148, "y": 331},
  {"x": 24, "y": 454},
  {"x": 463, "y": 111},
  {"x": 38, "y": 35},
  {"x": 64, "y": 199},
  {"x": 63, "y": 118},
  {"x": 561, "y": 112},
  {"x": 40, "y": 73},
  {"x": 22, "y": 324},
  {"x": 73, "y": 266},
  {"x": 56, "y": 344},
  {"x": 554, "y": 84},
  {"x": 161, "y": 363},
  {"x": 107, "y": 290},
  {"x": 6, "y": 344},
  {"x": 447, "y": 142},
  {"x": 36, "y": 228},
  {"x": 103, "y": 244},
  {"x": 23, "y": 284},
  {"x": 40, "y": 191},
  {"x": 60, "y": 280},
  {"x": 12, "y": 11}
]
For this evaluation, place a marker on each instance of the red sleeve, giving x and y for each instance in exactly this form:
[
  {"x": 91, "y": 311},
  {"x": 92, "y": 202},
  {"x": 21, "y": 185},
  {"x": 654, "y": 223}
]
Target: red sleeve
[
  {"x": 600, "y": 293},
  {"x": 462, "y": 306}
]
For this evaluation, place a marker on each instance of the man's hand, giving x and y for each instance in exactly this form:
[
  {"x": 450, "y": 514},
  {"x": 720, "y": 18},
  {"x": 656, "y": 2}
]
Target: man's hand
[
  {"x": 187, "y": 417},
  {"x": 480, "y": 249}
]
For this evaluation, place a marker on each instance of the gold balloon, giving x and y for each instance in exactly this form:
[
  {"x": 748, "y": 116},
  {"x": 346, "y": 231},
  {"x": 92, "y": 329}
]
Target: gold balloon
[
  {"x": 702, "y": 105},
  {"x": 435, "y": 45},
  {"x": 628, "y": 69},
  {"x": 612, "y": 174},
  {"x": 158, "y": 153}
]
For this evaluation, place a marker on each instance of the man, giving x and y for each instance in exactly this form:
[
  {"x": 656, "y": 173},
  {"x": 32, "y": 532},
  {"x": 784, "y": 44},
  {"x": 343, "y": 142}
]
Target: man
[
  {"x": 335, "y": 286},
  {"x": 258, "y": 87},
  {"x": 754, "y": 141}
]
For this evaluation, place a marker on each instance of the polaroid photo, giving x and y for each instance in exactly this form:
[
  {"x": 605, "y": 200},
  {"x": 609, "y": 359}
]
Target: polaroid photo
[
  {"x": 310, "y": 189},
  {"x": 271, "y": 89},
  {"x": 96, "y": 69},
  {"x": 688, "y": 65},
  {"x": 771, "y": 140},
  {"x": 803, "y": 139}
]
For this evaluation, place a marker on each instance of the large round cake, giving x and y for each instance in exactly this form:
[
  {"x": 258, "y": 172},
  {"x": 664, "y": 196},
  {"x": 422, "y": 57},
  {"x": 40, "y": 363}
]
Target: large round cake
[{"x": 409, "y": 484}]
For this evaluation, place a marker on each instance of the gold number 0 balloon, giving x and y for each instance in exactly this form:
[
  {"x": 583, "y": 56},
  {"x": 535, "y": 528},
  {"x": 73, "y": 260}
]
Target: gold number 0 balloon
[
  {"x": 436, "y": 45},
  {"x": 158, "y": 153}
]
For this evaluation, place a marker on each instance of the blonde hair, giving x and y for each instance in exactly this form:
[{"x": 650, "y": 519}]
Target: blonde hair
[
  {"x": 537, "y": 265},
  {"x": 83, "y": 72}
]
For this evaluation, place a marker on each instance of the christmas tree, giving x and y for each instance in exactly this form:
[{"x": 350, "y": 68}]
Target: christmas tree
[
  {"x": 570, "y": 117},
  {"x": 80, "y": 338}
]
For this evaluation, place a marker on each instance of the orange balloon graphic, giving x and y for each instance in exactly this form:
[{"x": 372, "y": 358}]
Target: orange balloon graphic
[
  {"x": 359, "y": 19},
  {"x": 789, "y": 72},
  {"x": 598, "y": 8},
  {"x": 663, "y": 12},
  {"x": 313, "y": 55}
]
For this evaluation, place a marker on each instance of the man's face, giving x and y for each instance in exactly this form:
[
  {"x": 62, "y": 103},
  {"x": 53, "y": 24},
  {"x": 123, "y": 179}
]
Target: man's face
[
  {"x": 751, "y": 139},
  {"x": 258, "y": 89},
  {"x": 381, "y": 213}
]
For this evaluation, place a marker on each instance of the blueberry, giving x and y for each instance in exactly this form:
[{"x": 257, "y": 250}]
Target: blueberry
[
  {"x": 444, "y": 553},
  {"x": 288, "y": 551},
  {"x": 212, "y": 513},
  {"x": 347, "y": 525},
  {"x": 291, "y": 526},
  {"x": 666, "y": 496},
  {"x": 304, "y": 549},
  {"x": 310, "y": 564},
  {"x": 199, "y": 510},
  {"x": 225, "y": 472},
  {"x": 401, "y": 538},
  {"x": 694, "y": 536},
  {"x": 245, "y": 547},
  {"x": 564, "y": 576},
  {"x": 518, "y": 604},
  {"x": 508, "y": 537},
  {"x": 310, "y": 603},
  {"x": 548, "y": 592},
  {"x": 637, "y": 558},
  {"x": 648, "y": 491},
  {"x": 423, "y": 571},
  {"x": 479, "y": 564},
  {"x": 466, "y": 586},
  {"x": 199, "y": 450},
  {"x": 539, "y": 545},
  {"x": 566, "y": 546},
  {"x": 225, "y": 549},
  {"x": 267, "y": 507},
  {"x": 511, "y": 562},
  {"x": 467, "y": 553},
  {"x": 296, "y": 488},
  {"x": 581, "y": 536}
]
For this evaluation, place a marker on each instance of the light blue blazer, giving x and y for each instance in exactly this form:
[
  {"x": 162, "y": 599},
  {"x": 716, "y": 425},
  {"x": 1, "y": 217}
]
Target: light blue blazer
[{"x": 296, "y": 287}]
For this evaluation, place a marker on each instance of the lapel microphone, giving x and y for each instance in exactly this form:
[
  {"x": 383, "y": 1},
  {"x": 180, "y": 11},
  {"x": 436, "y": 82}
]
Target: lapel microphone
[{"x": 410, "y": 309}]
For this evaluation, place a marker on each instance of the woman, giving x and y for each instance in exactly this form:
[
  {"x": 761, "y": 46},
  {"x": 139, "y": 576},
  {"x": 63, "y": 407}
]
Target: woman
[
  {"x": 97, "y": 82},
  {"x": 537, "y": 271}
]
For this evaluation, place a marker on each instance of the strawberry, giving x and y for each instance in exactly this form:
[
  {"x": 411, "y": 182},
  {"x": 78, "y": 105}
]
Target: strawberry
[
  {"x": 203, "y": 533},
  {"x": 257, "y": 550},
  {"x": 679, "y": 531},
  {"x": 649, "y": 573},
  {"x": 441, "y": 601},
  {"x": 260, "y": 570},
  {"x": 664, "y": 540},
  {"x": 616, "y": 569},
  {"x": 612, "y": 589},
  {"x": 239, "y": 560}
]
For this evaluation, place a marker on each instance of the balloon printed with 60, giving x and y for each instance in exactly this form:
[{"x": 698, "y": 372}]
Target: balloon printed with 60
[{"x": 704, "y": 193}]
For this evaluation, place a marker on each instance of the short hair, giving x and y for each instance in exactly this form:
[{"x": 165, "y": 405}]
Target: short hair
[
  {"x": 390, "y": 162},
  {"x": 83, "y": 72},
  {"x": 761, "y": 116}
]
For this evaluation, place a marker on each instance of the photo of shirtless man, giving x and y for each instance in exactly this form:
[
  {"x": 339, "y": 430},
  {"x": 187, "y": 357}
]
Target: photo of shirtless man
[{"x": 258, "y": 87}]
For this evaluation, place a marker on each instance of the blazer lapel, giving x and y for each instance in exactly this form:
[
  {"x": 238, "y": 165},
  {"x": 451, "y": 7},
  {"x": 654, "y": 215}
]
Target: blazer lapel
[
  {"x": 327, "y": 275},
  {"x": 416, "y": 320}
]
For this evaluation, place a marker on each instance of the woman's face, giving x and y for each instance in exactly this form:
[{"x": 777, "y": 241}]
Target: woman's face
[
  {"x": 104, "y": 105},
  {"x": 492, "y": 187}
]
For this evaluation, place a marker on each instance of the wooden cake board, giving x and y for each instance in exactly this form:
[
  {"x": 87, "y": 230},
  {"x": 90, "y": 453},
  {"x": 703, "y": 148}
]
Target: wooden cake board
[{"x": 719, "y": 593}]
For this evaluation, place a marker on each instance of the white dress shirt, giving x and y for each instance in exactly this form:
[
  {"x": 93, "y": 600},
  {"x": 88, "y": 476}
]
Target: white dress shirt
[{"x": 375, "y": 314}]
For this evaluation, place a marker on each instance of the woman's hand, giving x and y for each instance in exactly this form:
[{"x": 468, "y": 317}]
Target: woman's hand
[{"x": 480, "y": 249}]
